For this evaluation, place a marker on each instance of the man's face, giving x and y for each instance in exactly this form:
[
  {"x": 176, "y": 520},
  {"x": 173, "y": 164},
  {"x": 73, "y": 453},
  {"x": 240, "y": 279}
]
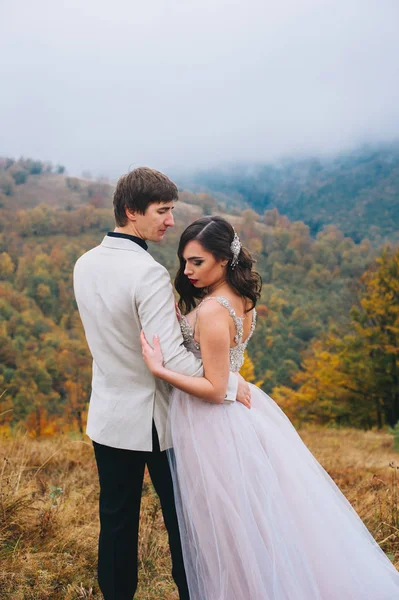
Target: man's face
[{"x": 153, "y": 224}]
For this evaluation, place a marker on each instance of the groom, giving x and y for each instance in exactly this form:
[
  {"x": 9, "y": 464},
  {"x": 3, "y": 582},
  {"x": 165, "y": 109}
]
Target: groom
[{"x": 120, "y": 289}]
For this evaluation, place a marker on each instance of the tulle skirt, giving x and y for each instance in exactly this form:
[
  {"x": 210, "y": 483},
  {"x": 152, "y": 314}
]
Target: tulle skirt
[{"x": 260, "y": 519}]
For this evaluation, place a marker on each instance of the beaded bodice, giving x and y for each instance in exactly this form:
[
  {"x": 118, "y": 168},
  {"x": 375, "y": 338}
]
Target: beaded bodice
[{"x": 236, "y": 352}]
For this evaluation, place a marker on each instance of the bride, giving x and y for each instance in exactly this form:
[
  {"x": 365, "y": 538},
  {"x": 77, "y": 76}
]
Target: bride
[{"x": 260, "y": 519}]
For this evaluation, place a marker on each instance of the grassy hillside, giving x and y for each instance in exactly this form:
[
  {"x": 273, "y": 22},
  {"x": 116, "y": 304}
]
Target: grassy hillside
[
  {"x": 58, "y": 191},
  {"x": 49, "y": 514}
]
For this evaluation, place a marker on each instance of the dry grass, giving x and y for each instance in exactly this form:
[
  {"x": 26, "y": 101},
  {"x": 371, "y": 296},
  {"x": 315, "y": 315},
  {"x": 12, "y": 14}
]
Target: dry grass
[{"x": 49, "y": 521}]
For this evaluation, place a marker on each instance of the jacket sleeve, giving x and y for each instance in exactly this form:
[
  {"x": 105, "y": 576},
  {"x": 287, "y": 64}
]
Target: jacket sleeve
[{"x": 156, "y": 309}]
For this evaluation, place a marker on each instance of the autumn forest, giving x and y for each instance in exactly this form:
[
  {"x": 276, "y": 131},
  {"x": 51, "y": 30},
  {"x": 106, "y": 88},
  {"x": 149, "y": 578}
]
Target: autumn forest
[{"x": 326, "y": 347}]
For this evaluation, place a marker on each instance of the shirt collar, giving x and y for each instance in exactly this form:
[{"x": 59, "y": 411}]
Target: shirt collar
[{"x": 127, "y": 236}]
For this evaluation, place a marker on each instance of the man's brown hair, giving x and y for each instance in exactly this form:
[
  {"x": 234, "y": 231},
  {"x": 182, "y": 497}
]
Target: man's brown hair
[{"x": 140, "y": 188}]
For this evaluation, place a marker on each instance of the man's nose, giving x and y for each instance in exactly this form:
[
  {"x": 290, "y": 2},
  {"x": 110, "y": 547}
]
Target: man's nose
[{"x": 170, "y": 220}]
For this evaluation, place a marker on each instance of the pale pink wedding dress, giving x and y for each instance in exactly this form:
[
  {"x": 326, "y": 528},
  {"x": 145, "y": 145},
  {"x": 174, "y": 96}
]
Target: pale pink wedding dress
[{"x": 260, "y": 519}]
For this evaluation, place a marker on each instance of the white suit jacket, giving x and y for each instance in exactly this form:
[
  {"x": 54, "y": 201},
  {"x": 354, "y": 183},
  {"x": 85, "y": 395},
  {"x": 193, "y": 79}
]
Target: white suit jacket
[{"x": 121, "y": 289}]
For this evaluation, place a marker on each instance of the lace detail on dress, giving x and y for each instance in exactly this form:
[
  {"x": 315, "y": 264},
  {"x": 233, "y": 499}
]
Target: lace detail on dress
[
  {"x": 187, "y": 332},
  {"x": 236, "y": 352}
]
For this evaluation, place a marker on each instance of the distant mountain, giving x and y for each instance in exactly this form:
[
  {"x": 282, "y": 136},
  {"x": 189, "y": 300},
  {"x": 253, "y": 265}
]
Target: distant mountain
[{"x": 357, "y": 191}]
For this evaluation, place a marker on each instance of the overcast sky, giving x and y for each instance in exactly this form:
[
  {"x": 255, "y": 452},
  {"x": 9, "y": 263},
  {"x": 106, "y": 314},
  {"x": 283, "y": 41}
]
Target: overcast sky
[{"x": 108, "y": 85}]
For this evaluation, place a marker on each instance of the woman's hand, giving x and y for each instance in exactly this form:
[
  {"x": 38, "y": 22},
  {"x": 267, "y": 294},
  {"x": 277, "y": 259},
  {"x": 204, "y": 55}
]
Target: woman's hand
[
  {"x": 152, "y": 356},
  {"x": 178, "y": 313}
]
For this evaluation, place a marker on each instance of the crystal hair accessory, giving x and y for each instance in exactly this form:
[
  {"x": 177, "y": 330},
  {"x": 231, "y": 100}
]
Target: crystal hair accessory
[{"x": 235, "y": 247}]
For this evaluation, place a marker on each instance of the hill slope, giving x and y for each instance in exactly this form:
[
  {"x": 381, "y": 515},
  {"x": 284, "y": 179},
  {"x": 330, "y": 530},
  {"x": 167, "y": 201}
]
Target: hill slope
[{"x": 357, "y": 191}]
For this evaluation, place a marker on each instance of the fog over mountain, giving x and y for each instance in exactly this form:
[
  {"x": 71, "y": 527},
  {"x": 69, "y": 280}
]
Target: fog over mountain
[{"x": 105, "y": 86}]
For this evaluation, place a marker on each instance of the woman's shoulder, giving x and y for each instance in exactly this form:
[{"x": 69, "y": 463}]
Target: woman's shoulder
[
  {"x": 231, "y": 301},
  {"x": 210, "y": 306},
  {"x": 223, "y": 307}
]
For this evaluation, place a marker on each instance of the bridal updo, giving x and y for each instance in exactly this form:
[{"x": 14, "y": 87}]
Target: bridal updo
[{"x": 216, "y": 234}]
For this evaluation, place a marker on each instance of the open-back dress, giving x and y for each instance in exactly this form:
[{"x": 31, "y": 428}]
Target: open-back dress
[{"x": 260, "y": 519}]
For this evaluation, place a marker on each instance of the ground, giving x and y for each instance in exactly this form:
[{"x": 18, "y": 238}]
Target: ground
[{"x": 49, "y": 515}]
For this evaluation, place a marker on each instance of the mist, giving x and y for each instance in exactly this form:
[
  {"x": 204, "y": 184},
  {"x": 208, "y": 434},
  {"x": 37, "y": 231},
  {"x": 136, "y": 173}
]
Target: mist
[{"x": 106, "y": 86}]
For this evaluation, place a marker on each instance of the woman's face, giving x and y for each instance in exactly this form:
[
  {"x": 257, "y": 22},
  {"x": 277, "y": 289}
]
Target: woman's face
[{"x": 202, "y": 268}]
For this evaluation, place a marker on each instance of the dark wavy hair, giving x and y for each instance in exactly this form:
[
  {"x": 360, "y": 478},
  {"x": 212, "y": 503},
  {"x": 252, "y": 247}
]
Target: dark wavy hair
[{"x": 215, "y": 234}]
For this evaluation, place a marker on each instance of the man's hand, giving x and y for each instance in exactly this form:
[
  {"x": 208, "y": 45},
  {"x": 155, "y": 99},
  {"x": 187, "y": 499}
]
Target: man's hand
[{"x": 243, "y": 392}]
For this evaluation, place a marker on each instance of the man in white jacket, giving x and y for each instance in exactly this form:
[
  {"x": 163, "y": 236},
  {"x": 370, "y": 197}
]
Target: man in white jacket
[{"x": 120, "y": 289}]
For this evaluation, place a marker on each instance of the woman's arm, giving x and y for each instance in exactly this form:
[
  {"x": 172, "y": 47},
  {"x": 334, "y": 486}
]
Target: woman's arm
[{"x": 213, "y": 327}]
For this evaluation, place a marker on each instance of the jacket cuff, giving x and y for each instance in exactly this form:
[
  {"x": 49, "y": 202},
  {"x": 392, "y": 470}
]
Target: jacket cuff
[{"x": 232, "y": 387}]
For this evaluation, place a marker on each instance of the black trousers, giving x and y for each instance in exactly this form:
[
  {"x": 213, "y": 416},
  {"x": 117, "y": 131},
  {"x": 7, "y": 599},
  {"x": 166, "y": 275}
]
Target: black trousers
[{"x": 121, "y": 474}]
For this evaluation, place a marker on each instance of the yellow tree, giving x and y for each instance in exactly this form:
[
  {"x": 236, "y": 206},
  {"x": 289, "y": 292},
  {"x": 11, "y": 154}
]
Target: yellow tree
[
  {"x": 332, "y": 385},
  {"x": 248, "y": 371},
  {"x": 353, "y": 378},
  {"x": 75, "y": 364},
  {"x": 376, "y": 323},
  {"x": 6, "y": 266}
]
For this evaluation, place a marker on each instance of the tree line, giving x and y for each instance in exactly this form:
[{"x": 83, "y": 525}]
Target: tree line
[{"x": 325, "y": 346}]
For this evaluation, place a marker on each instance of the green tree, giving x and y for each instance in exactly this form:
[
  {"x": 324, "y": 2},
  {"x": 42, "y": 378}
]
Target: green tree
[
  {"x": 19, "y": 175},
  {"x": 7, "y": 184}
]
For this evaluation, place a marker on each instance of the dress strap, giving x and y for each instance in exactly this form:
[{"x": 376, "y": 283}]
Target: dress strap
[{"x": 238, "y": 321}]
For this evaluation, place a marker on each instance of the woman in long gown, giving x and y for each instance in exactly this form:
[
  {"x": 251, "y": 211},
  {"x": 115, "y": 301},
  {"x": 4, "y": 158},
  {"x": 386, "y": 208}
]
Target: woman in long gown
[{"x": 260, "y": 519}]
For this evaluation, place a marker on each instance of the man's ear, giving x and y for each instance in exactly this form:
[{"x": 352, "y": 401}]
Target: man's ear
[{"x": 131, "y": 214}]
